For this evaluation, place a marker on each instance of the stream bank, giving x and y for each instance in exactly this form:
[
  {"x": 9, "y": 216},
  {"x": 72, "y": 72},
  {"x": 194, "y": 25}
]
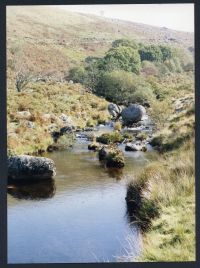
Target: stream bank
[{"x": 84, "y": 207}]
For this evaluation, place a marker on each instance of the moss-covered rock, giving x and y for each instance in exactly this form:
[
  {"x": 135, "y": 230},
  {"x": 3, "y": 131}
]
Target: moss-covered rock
[
  {"x": 112, "y": 156},
  {"x": 107, "y": 138}
]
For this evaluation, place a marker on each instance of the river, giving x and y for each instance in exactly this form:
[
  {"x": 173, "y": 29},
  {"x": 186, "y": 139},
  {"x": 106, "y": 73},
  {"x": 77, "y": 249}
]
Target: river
[{"x": 80, "y": 216}]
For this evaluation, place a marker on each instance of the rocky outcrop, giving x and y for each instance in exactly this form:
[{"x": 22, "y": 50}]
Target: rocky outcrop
[
  {"x": 114, "y": 110},
  {"x": 25, "y": 167},
  {"x": 112, "y": 156},
  {"x": 132, "y": 114}
]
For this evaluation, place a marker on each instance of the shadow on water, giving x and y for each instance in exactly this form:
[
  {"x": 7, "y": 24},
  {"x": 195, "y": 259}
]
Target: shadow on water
[{"x": 35, "y": 190}]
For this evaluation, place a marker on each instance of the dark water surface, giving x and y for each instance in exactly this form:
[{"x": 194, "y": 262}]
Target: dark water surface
[{"x": 80, "y": 216}]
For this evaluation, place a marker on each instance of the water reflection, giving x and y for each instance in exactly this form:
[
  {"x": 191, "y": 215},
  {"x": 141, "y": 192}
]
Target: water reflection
[
  {"x": 37, "y": 190},
  {"x": 115, "y": 173}
]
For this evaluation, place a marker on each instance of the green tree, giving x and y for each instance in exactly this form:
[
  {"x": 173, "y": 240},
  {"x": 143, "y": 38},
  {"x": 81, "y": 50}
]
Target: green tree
[
  {"x": 125, "y": 58},
  {"x": 77, "y": 74},
  {"x": 167, "y": 52},
  {"x": 125, "y": 43},
  {"x": 150, "y": 53}
]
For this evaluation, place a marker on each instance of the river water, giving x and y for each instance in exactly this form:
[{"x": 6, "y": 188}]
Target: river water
[{"x": 80, "y": 216}]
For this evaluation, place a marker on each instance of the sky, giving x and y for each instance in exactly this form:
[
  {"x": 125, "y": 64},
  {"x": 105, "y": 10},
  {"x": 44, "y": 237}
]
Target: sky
[{"x": 173, "y": 16}]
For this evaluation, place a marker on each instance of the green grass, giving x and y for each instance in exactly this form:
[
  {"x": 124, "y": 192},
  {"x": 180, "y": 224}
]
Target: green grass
[
  {"x": 165, "y": 206},
  {"x": 54, "y": 99},
  {"x": 162, "y": 198}
]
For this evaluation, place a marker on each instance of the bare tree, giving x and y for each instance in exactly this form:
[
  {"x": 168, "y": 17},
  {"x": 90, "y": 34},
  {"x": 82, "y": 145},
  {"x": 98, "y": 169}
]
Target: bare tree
[{"x": 22, "y": 79}]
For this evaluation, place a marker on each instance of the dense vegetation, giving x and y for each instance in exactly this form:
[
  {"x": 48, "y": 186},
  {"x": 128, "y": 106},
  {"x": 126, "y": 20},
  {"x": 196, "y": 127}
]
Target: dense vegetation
[{"x": 129, "y": 71}]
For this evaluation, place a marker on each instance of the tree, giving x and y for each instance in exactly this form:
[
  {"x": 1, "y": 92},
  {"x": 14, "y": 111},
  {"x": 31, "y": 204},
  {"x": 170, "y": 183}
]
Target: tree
[
  {"x": 22, "y": 79},
  {"x": 125, "y": 43},
  {"x": 150, "y": 53},
  {"x": 167, "y": 52},
  {"x": 125, "y": 58}
]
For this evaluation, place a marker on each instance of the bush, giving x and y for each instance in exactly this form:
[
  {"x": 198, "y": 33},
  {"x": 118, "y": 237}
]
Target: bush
[
  {"x": 128, "y": 136},
  {"x": 122, "y": 88},
  {"x": 90, "y": 123},
  {"x": 142, "y": 136},
  {"x": 118, "y": 126},
  {"x": 77, "y": 74}
]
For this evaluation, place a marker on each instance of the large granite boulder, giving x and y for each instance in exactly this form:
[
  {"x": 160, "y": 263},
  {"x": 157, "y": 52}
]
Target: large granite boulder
[
  {"x": 132, "y": 114},
  {"x": 25, "y": 167},
  {"x": 114, "y": 110}
]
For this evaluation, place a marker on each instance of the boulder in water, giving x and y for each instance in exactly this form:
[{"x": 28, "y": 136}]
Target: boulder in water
[
  {"x": 112, "y": 156},
  {"x": 132, "y": 114},
  {"x": 138, "y": 146},
  {"x": 25, "y": 167}
]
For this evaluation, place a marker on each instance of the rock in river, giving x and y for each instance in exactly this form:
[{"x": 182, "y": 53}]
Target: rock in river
[
  {"x": 138, "y": 146},
  {"x": 133, "y": 114},
  {"x": 112, "y": 156},
  {"x": 25, "y": 167}
]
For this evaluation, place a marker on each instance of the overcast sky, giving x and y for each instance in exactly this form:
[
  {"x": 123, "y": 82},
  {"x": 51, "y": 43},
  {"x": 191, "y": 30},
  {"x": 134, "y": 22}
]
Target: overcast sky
[{"x": 173, "y": 16}]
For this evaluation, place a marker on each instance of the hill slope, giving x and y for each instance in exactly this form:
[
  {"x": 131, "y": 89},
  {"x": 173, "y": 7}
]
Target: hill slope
[{"x": 47, "y": 38}]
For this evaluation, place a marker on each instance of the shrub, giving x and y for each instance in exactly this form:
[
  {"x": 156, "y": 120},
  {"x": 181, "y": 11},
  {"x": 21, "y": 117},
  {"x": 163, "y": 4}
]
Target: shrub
[
  {"x": 90, "y": 123},
  {"x": 118, "y": 126},
  {"x": 142, "y": 136},
  {"x": 77, "y": 74},
  {"x": 123, "y": 87},
  {"x": 128, "y": 136}
]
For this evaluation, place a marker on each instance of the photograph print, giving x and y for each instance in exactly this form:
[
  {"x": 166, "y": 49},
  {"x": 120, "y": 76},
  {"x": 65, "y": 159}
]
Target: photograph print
[{"x": 100, "y": 133}]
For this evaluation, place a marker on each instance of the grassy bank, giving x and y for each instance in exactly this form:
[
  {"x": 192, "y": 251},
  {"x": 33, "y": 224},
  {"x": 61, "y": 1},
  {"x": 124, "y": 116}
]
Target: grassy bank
[
  {"x": 37, "y": 111},
  {"x": 164, "y": 205}
]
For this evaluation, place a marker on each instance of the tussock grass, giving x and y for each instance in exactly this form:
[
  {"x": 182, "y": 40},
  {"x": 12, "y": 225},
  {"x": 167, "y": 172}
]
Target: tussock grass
[
  {"x": 165, "y": 206},
  {"x": 162, "y": 198}
]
